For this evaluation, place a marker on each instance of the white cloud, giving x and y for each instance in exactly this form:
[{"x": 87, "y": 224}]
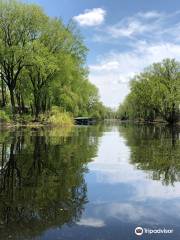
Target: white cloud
[
  {"x": 113, "y": 72},
  {"x": 91, "y": 17},
  {"x": 150, "y": 24},
  {"x": 127, "y": 30},
  {"x": 128, "y": 27},
  {"x": 133, "y": 61},
  {"x": 138, "y": 41},
  {"x": 150, "y": 14}
]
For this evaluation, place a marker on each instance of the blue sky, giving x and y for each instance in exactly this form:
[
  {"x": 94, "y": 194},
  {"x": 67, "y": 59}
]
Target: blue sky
[{"x": 123, "y": 37}]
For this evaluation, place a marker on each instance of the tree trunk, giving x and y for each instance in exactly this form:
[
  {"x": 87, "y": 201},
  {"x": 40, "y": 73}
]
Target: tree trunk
[
  {"x": 173, "y": 114},
  {"x": 12, "y": 101},
  {"x": 18, "y": 100},
  {"x": 36, "y": 106},
  {"x": 3, "y": 94},
  {"x": 23, "y": 105}
]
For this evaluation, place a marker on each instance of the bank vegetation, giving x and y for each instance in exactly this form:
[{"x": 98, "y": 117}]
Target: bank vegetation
[
  {"x": 154, "y": 94},
  {"x": 43, "y": 67}
]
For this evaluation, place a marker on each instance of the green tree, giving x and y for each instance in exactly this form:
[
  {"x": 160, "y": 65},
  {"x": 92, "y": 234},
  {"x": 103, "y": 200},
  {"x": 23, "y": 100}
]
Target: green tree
[
  {"x": 19, "y": 27},
  {"x": 154, "y": 93},
  {"x": 43, "y": 63}
]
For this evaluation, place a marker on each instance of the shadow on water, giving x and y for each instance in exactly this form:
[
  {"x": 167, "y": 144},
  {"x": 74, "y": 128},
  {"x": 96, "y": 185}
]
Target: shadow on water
[
  {"x": 155, "y": 149},
  {"x": 42, "y": 179}
]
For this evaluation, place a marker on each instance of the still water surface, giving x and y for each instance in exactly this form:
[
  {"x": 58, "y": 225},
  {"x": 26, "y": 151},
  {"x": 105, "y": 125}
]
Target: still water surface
[{"x": 89, "y": 183}]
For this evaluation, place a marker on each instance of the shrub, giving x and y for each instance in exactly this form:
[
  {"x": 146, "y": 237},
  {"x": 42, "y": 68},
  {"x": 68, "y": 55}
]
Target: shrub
[
  {"x": 4, "y": 117},
  {"x": 59, "y": 118}
]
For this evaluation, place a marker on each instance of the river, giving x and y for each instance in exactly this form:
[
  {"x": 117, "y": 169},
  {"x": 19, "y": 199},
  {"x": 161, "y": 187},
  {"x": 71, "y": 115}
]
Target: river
[{"x": 90, "y": 182}]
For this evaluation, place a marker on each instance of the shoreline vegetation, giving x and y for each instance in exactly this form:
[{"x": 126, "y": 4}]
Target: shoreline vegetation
[
  {"x": 154, "y": 95},
  {"x": 52, "y": 119},
  {"x": 44, "y": 76},
  {"x": 43, "y": 71}
]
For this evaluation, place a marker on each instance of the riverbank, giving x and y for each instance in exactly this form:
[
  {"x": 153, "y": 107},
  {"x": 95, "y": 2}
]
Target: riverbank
[
  {"x": 155, "y": 122},
  {"x": 53, "y": 118}
]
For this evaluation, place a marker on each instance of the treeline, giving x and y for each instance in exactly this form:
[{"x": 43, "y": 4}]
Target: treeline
[
  {"x": 154, "y": 94},
  {"x": 43, "y": 64}
]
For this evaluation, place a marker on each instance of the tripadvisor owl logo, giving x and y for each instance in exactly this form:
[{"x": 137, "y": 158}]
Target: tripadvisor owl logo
[{"x": 138, "y": 231}]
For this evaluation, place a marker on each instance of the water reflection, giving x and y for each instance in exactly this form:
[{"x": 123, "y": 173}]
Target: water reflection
[
  {"x": 42, "y": 179},
  {"x": 96, "y": 182},
  {"x": 155, "y": 149},
  {"x": 123, "y": 194}
]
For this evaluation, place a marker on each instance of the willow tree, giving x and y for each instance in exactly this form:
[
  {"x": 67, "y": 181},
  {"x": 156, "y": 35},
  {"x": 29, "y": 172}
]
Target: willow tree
[
  {"x": 166, "y": 90},
  {"x": 55, "y": 44},
  {"x": 43, "y": 62},
  {"x": 19, "y": 27},
  {"x": 155, "y": 93},
  {"x": 40, "y": 73}
]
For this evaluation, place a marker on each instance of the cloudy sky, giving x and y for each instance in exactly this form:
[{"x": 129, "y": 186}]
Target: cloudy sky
[{"x": 123, "y": 37}]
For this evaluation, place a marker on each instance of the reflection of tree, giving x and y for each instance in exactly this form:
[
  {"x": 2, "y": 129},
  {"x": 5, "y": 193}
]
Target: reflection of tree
[
  {"x": 42, "y": 179},
  {"x": 155, "y": 149}
]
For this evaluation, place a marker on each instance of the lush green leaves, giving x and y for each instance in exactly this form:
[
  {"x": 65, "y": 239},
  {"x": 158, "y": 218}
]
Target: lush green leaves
[
  {"x": 43, "y": 63},
  {"x": 154, "y": 93}
]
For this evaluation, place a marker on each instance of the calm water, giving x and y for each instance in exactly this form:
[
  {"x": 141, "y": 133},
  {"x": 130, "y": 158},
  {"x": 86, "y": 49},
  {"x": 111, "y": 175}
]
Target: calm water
[{"x": 89, "y": 183}]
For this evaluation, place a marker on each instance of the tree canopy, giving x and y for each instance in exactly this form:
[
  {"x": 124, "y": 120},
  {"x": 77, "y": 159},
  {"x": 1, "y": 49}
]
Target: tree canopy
[
  {"x": 43, "y": 63},
  {"x": 155, "y": 93}
]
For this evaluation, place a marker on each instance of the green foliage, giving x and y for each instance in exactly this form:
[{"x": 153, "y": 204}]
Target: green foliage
[
  {"x": 155, "y": 93},
  {"x": 59, "y": 118},
  {"x": 43, "y": 64},
  {"x": 4, "y": 117}
]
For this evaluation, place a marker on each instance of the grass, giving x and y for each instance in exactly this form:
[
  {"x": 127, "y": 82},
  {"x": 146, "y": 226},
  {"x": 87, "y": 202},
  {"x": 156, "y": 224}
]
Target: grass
[
  {"x": 60, "y": 118},
  {"x": 56, "y": 117}
]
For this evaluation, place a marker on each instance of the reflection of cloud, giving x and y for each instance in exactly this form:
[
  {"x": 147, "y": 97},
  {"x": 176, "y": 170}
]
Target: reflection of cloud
[
  {"x": 136, "y": 212},
  {"x": 111, "y": 166},
  {"x": 91, "y": 17},
  {"x": 154, "y": 189},
  {"x": 91, "y": 222},
  {"x": 127, "y": 212}
]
